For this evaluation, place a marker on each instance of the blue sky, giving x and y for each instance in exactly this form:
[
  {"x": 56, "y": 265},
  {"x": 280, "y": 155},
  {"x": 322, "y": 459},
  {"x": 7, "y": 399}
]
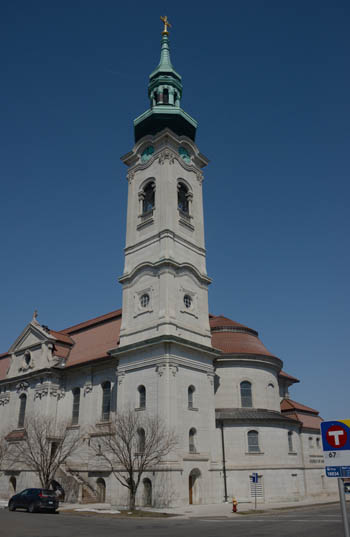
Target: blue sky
[{"x": 268, "y": 82}]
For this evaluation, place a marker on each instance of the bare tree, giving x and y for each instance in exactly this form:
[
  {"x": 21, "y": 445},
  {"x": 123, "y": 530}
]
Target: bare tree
[
  {"x": 4, "y": 449},
  {"x": 131, "y": 445},
  {"x": 44, "y": 446}
]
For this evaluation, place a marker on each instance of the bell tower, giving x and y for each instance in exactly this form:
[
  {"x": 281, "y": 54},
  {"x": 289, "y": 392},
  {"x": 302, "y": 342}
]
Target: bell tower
[{"x": 165, "y": 282}]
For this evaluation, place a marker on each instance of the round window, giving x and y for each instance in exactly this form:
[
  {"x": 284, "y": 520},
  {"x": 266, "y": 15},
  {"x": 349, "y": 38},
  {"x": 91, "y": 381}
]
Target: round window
[
  {"x": 188, "y": 301},
  {"x": 144, "y": 300}
]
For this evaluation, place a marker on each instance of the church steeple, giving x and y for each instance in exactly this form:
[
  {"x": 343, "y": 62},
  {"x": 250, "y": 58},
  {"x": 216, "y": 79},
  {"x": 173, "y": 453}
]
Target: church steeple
[{"x": 165, "y": 92}]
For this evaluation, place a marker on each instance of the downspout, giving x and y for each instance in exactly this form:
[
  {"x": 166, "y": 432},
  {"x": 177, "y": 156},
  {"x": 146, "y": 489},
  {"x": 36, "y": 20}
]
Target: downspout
[{"x": 223, "y": 458}]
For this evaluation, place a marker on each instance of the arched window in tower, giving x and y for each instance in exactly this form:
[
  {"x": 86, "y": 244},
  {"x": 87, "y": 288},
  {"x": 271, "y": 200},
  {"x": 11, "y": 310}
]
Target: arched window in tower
[
  {"x": 76, "y": 406},
  {"x": 182, "y": 198},
  {"x": 290, "y": 442},
  {"x": 253, "y": 442},
  {"x": 192, "y": 440},
  {"x": 22, "y": 410},
  {"x": 191, "y": 390},
  {"x": 141, "y": 440},
  {"x": 148, "y": 198},
  {"x": 246, "y": 394},
  {"x": 106, "y": 401},
  {"x": 142, "y": 396},
  {"x": 166, "y": 96}
]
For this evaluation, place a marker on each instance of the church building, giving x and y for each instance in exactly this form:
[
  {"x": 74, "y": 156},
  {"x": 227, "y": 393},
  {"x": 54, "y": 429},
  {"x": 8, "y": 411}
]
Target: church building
[{"x": 210, "y": 378}]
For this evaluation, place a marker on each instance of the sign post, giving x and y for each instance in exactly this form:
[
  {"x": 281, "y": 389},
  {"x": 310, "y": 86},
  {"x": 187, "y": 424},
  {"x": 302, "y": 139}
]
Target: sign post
[
  {"x": 255, "y": 479},
  {"x": 336, "y": 449}
]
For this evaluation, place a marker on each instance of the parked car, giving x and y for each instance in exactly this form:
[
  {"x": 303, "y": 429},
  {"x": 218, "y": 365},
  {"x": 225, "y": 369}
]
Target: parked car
[
  {"x": 34, "y": 500},
  {"x": 347, "y": 488}
]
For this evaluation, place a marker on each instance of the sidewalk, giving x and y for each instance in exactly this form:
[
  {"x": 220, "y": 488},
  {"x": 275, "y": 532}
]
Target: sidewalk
[{"x": 221, "y": 510}]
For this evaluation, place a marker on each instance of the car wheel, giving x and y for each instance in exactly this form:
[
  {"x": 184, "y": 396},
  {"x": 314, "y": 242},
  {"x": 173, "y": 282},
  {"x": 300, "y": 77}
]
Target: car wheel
[
  {"x": 32, "y": 508},
  {"x": 12, "y": 506}
]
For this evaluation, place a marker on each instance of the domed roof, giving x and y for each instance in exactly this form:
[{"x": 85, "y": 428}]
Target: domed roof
[{"x": 234, "y": 338}]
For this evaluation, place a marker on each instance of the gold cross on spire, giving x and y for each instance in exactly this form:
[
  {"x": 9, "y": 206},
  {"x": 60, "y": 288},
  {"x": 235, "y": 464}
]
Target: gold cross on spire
[{"x": 166, "y": 24}]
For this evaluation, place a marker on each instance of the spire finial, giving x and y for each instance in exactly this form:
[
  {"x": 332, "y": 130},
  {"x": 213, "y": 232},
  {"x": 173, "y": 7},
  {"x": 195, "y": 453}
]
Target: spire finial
[{"x": 166, "y": 24}]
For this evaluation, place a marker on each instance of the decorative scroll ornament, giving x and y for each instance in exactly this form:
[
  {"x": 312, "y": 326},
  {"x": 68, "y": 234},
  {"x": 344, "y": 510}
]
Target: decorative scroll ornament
[
  {"x": 87, "y": 388},
  {"x": 121, "y": 377},
  {"x": 211, "y": 378},
  {"x": 58, "y": 391},
  {"x": 4, "y": 399},
  {"x": 174, "y": 369},
  {"x": 22, "y": 387},
  {"x": 160, "y": 369},
  {"x": 130, "y": 175},
  {"x": 200, "y": 177},
  {"x": 41, "y": 392},
  {"x": 166, "y": 155}
]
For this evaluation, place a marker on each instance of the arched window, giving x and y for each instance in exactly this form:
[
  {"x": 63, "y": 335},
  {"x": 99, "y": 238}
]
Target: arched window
[
  {"x": 142, "y": 396},
  {"x": 246, "y": 394},
  {"x": 22, "y": 410},
  {"x": 191, "y": 390},
  {"x": 13, "y": 483},
  {"x": 76, "y": 406},
  {"x": 253, "y": 442},
  {"x": 141, "y": 440},
  {"x": 290, "y": 441},
  {"x": 191, "y": 440},
  {"x": 148, "y": 198},
  {"x": 101, "y": 490},
  {"x": 182, "y": 198},
  {"x": 270, "y": 395},
  {"x": 106, "y": 401}
]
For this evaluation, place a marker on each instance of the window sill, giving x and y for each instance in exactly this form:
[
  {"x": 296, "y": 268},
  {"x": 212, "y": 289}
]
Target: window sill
[
  {"x": 140, "y": 408},
  {"x": 75, "y": 426},
  {"x": 254, "y": 453},
  {"x": 193, "y": 408},
  {"x": 103, "y": 423},
  {"x": 292, "y": 453},
  {"x": 186, "y": 223}
]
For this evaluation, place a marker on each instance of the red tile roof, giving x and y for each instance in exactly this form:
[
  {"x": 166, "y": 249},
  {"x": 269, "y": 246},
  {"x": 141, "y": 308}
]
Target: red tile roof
[
  {"x": 221, "y": 321},
  {"x": 308, "y": 421},
  {"x": 59, "y": 336},
  {"x": 93, "y": 339},
  {"x": 290, "y": 405},
  {"x": 4, "y": 365},
  {"x": 96, "y": 320},
  {"x": 285, "y": 375}
]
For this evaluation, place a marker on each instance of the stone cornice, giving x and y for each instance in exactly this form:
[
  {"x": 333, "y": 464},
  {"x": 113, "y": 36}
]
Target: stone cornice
[
  {"x": 166, "y": 139},
  {"x": 249, "y": 359},
  {"x": 165, "y": 263},
  {"x": 165, "y": 233},
  {"x": 161, "y": 340}
]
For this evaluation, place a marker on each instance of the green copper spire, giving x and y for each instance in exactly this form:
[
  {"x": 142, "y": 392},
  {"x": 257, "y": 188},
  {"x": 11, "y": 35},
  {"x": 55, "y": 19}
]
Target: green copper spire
[
  {"x": 165, "y": 85},
  {"x": 165, "y": 92}
]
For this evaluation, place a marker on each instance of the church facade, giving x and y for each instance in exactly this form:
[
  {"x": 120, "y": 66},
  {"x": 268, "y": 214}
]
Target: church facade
[{"x": 210, "y": 378}]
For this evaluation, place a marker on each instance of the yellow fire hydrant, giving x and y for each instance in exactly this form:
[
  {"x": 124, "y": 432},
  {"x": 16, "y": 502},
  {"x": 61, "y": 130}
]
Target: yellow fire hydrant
[{"x": 234, "y": 505}]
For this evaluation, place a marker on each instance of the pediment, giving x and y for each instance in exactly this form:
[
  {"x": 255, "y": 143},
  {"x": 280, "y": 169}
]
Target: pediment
[{"x": 30, "y": 337}]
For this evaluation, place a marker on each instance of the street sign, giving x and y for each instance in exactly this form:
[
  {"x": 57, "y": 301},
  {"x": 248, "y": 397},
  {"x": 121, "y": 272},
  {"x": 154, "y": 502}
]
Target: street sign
[
  {"x": 336, "y": 447},
  {"x": 255, "y": 477}
]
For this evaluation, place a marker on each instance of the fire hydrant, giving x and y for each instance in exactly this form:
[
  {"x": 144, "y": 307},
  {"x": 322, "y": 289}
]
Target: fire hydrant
[{"x": 234, "y": 505}]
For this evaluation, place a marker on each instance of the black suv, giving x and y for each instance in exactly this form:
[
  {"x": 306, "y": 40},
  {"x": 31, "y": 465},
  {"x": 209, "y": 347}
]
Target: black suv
[{"x": 34, "y": 500}]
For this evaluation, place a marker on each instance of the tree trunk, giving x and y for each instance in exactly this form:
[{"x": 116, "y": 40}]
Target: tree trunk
[{"x": 132, "y": 498}]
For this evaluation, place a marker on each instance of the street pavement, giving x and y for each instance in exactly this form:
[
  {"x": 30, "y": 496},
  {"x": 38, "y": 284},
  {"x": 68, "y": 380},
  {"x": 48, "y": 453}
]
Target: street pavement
[{"x": 308, "y": 521}]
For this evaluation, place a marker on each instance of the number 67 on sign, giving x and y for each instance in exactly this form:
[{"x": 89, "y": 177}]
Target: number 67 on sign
[{"x": 336, "y": 447}]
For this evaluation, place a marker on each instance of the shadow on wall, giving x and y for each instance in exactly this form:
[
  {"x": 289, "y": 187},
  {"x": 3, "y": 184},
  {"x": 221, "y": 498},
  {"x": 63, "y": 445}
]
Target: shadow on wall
[{"x": 163, "y": 490}]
